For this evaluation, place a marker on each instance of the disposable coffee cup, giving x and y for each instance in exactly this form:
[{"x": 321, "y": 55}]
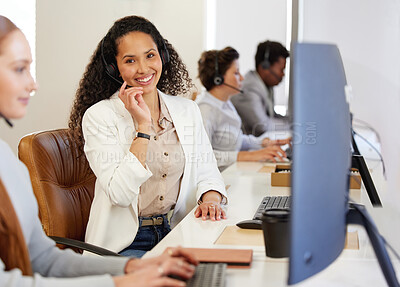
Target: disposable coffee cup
[{"x": 275, "y": 225}]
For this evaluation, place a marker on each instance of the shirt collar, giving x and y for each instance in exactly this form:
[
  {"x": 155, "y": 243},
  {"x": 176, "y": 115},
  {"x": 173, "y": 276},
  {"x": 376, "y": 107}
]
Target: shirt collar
[
  {"x": 164, "y": 113},
  {"x": 217, "y": 102}
]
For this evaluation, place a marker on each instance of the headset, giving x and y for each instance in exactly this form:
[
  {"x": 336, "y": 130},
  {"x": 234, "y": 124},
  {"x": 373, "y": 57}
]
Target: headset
[
  {"x": 218, "y": 78},
  {"x": 266, "y": 64},
  {"x": 112, "y": 70},
  {"x": 7, "y": 120}
]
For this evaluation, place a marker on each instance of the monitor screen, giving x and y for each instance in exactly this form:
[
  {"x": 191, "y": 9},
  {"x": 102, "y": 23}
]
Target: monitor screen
[{"x": 321, "y": 159}]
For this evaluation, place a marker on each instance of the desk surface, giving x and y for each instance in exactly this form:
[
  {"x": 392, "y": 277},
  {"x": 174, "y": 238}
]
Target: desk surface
[{"x": 247, "y": 188}]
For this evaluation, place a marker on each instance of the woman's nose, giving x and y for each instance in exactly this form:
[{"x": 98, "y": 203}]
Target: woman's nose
[{"x": 33, "y": 86}]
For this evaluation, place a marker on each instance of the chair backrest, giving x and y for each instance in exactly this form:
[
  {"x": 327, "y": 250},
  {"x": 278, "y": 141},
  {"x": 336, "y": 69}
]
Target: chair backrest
[{"x": 62, "y": 181}]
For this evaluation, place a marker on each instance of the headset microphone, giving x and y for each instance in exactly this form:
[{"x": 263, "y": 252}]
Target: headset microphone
[
  {"x": 7, "y": 120},
  {"x": 275, "y": 75},
  {"x": 239, "y": 90}
]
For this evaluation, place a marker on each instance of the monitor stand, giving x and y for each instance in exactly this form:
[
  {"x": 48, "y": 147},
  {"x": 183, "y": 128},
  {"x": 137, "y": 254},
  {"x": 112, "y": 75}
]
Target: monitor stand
[
  {"x": 357, "y": 214},
  {"x": 358, "y": 162}
]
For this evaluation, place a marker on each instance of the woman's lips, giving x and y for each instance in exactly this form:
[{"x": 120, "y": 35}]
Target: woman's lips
[{"x": 24, "y": 101}]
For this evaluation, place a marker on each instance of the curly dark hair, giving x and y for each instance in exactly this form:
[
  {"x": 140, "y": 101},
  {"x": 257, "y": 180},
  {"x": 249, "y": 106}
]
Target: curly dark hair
[
  {"x": 96, "y": 85},
  {"x": 207, "y": 65}
]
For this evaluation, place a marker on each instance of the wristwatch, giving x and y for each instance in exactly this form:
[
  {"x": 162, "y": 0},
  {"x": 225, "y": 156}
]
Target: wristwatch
[{"x": 142, "y": 135}]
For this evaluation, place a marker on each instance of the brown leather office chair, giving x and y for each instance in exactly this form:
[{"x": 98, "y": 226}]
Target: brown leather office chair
[{"x": 63, "y": 184}]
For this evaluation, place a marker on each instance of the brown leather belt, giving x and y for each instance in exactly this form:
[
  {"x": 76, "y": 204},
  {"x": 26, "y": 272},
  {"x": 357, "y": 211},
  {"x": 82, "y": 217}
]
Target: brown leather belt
[{"x": 153, "y": 221}]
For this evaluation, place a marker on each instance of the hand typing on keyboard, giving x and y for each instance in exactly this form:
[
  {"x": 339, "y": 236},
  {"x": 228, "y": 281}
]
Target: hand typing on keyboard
[
  {"x": 207, "y": 275},
  {"x": 271, "y": 153},
  {"x": 175, "y": 261}
]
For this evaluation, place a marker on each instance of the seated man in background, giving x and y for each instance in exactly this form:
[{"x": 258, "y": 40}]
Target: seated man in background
[{"x": 256, "y": 105}]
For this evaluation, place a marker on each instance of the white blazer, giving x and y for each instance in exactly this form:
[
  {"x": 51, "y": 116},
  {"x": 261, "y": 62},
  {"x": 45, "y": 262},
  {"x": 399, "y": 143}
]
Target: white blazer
[{"x": 108, "y": 131}]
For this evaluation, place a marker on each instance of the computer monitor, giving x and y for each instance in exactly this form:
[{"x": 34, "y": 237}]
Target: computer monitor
[
  {"x": 321, "y": 163},
  {"x": 321, "y": 159}
]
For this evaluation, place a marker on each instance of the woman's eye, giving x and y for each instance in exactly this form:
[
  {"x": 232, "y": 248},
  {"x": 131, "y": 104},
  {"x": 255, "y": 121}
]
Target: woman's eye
[
  {"x": 150, "y": 55},
  {"x": 130, "y": 61},
  {"x": 20, "y": 69}
]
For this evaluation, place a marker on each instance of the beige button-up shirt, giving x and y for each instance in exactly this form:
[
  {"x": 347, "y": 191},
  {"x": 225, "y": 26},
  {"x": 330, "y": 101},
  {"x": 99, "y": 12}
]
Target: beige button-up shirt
[{"x": 166, "y": 160}]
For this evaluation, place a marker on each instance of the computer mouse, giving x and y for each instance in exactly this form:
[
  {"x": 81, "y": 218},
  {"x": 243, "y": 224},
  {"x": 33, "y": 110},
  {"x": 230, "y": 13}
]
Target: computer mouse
[
  {"x": 250, "y": 224},
  {"x": 289, "y": 153}
]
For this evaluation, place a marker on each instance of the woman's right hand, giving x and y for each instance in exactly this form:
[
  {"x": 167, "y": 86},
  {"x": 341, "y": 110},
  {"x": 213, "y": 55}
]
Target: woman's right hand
[
  {"x": 272, "y": 153},
  {"x": 134, "y": 103},
  {"x": 156, "y": 274},
  {"x": 268, "y": 142}
]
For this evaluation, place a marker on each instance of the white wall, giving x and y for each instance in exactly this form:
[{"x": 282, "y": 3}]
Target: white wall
[
  {"x": 67, "y": 34},
  {"x": 368, "y": 35},
  {"x": 244, "y": 24}
]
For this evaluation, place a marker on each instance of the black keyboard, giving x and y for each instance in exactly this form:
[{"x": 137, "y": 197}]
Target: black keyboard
[
  {"x": 272, "y": 202},
  {"x": 208, "y": 275}
]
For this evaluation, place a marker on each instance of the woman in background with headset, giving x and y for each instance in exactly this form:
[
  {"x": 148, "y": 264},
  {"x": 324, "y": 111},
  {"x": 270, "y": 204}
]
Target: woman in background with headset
[
  {"x": 27, "y": 256},
  {"x": 147, "y": 146},
  {"x": 219, "y": 74}
]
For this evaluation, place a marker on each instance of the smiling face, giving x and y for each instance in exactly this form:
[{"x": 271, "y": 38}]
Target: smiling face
[
  {"x": 16, "y": 82},
  {"x": 139, "y": 62}
]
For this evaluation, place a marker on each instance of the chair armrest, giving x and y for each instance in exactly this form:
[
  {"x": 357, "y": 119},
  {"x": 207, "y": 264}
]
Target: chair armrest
[{"x": 84, "y": 246}]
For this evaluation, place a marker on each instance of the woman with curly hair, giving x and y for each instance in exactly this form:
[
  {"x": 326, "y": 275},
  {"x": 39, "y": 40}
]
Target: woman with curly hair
[
  {"x": 147, "y": 147},
  {"x": 27, "y": 256}
]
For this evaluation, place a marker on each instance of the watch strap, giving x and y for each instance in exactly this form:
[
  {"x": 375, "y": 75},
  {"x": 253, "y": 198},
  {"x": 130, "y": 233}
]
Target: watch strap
[{"x": 142, "y": 135}]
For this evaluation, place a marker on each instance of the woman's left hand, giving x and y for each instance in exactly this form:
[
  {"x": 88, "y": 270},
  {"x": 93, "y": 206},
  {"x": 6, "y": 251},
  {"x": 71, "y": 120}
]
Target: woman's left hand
[{"x": 210, "y": 206}]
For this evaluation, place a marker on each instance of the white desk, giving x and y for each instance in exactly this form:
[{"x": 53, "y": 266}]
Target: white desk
[{"x": 247, "y": 187}]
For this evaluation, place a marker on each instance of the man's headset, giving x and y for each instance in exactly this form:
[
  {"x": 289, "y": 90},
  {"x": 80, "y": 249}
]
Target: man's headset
[
  {"x": 266, "y": 64},
  {"x": 219, "y": 79},
  {"x": 112, "y": 69}
]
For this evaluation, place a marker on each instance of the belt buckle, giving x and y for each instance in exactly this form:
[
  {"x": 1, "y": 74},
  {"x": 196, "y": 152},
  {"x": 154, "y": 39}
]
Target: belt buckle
[{"x": 157, "y": 220}]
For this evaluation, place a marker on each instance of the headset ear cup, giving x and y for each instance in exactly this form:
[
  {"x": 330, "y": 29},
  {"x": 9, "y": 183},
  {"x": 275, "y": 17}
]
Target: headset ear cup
[
  {"x": 265, "y": 64},
  {"x": 218, "y": 80},
  {"x": 164, "y": 54},
  {"x": 164, "y": 57},
  {"x": 112, "y": 70}
]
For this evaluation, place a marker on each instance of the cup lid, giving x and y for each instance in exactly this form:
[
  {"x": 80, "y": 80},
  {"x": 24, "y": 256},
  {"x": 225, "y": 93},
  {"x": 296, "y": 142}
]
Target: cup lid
[{"x": 277, "y": 213}]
